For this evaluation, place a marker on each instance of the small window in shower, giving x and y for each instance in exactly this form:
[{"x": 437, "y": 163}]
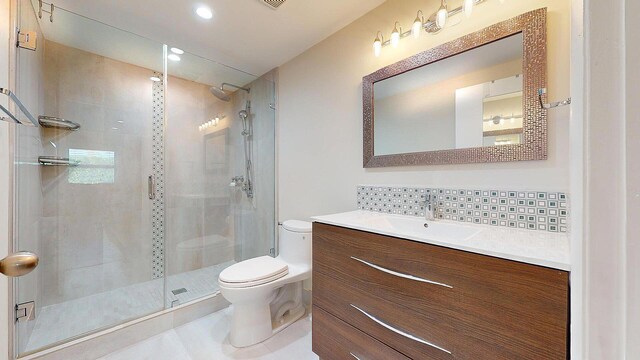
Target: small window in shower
[{"x": 95, "y": 167}]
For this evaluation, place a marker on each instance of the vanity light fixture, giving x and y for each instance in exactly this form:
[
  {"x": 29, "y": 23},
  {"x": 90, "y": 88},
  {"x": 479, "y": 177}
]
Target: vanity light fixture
[
  {"x": 418, "y": 24},
  {"x": 213, "y": 122},
  {"x": 395, "y": 35},
  {"x": 433, "y": 25},
  {"x": 377, "y": 44},
  {"x": 468, "y": 7},
  {"x": 442, "y": 15}
]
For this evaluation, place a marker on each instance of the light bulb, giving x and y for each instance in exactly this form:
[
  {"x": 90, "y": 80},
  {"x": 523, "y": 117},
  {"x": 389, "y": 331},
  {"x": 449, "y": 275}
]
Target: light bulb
[
  {"x": 377, "y": 46},
  {"x": 204, "y": 12},
  {"x": 395, "y": 36},
  {"x": 418, "y": 23},
  {"x": 468, "y": 7},
  {"x": 443, "y": 14}
]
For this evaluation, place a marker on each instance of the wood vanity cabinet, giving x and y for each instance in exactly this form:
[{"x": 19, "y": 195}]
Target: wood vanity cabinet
[{"x": 380, "y": 297}]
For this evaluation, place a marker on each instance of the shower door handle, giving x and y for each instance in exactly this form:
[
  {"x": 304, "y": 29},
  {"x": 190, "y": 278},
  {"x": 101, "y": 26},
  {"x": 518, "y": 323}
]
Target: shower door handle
[
  {"x": 152, "y": 188},
  {"x": 18, "y": 264}
]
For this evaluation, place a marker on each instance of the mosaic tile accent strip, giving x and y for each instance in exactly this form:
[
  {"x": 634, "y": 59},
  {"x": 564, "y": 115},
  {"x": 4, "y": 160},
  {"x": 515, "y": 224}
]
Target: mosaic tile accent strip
[
  {"x": 532, "y": 210},
  {"x": 157, "y": 210}
]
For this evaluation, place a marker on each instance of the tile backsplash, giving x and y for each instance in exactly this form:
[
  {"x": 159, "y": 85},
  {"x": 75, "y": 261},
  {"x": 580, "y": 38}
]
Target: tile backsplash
[{"x": 532, "y": 210}]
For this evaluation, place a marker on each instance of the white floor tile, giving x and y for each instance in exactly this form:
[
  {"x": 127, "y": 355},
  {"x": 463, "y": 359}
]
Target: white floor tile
[
  {"x": 207, "y": 339},
  {"x": 166, "y": 346}
]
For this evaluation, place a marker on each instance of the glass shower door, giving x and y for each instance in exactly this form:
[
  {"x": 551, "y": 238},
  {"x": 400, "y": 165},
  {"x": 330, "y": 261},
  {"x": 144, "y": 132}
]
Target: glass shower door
[
  {"x": 220, "y": 173},
  {"x": 82, "y": 198}
]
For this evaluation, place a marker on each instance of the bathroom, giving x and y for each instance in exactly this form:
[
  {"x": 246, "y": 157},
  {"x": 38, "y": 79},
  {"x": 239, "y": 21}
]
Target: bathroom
[{"x": 269, "y": 179}]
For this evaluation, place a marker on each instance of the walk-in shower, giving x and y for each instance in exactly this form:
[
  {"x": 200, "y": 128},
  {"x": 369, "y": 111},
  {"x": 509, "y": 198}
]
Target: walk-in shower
[{"x": 145, "y": 219}]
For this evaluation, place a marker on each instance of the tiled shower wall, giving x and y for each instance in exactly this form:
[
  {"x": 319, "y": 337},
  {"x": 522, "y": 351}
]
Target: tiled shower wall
[{"x": 532, "y": 210}]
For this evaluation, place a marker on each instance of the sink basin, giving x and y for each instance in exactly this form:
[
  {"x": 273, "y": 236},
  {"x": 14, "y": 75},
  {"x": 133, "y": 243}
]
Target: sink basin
[{"x": 415, "y": 227}]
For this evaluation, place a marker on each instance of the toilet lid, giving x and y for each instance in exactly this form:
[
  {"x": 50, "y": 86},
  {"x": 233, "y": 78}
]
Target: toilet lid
[
  {"x": 253, "y": 272},
  {"x": 297, "y": 226}
]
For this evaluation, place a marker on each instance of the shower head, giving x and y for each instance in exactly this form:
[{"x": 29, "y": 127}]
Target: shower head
[
  {"x": 219, "y": 93},
  {"x": 243, "y": 114},
  {"x": 222, "y": 95}
]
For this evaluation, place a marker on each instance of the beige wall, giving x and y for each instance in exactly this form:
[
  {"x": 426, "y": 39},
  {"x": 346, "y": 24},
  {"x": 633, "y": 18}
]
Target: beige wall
[
  {"x": 320, "y": 119},
  {"x": 633, "y": 178}
]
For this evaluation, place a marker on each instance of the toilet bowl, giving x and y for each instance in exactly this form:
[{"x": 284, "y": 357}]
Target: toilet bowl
[{"x": 266, "y": 292}]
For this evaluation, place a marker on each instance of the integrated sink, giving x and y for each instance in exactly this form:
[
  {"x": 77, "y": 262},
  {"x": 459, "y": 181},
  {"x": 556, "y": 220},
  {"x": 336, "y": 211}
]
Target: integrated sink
[{"x": 414, "y": 227}]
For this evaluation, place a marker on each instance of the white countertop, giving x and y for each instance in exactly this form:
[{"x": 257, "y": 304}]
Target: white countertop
[{"x": 542, "y": 248}]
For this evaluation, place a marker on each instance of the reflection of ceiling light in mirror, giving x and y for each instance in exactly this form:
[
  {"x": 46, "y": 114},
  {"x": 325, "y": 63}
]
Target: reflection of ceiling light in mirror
[
  {"x": 177, "y": 51},
  {"x": 154, "y": 79},
  {"x": 204, "y": 12},
  {"x": 120, "y": 122},
  {"x": 173, "y": 57},
  {"x": 114, "y": 128}
]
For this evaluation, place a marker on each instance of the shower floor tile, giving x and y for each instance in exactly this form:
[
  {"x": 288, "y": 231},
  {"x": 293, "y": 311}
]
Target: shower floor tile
[
  {"x": 207, "y": 338},
  {"x": 59, "y": 322}
]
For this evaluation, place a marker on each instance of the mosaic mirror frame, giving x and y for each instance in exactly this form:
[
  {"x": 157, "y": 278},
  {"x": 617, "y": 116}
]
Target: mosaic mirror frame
[{"x": 534, "y": 146}]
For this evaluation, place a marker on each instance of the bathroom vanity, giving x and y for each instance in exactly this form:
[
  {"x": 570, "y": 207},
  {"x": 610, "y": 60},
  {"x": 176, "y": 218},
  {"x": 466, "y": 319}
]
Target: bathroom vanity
[{"x": 387, "y": 287}]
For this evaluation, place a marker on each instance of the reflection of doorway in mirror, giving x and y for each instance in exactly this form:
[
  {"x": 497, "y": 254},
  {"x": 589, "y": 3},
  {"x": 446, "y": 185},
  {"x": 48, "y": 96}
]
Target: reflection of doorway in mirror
[{"x": 502, "y": 112}]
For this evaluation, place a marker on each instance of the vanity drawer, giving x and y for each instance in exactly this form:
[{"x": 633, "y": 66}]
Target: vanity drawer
[
  {"x": 334, "y": 339},
  {"x": 500, "y": 282},
  {"x": 418, "y": 335}
]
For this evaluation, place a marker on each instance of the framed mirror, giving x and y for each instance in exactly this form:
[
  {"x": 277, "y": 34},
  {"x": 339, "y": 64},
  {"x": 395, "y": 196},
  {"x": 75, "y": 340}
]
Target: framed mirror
[{"x": 472, "y": 100}]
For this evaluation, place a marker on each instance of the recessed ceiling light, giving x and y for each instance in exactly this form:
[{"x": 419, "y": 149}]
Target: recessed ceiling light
[
  {"x": 173, "y": 57},
  {"x": 204, "y": 12},
  {"x": 177, "y": 51},
  {"x": 154, "y": 79}
]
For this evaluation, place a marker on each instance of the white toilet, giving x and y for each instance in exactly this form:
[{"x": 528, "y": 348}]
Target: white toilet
[{"x": 266, "y": 293}]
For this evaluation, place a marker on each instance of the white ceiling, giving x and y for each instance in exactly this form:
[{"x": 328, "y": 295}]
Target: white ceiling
[{"x": 244, "y": 34}]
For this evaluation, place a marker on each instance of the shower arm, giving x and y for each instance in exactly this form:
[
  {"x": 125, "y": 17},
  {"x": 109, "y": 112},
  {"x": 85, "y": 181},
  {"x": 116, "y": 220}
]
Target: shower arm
[{"x": 248, "y": 90}]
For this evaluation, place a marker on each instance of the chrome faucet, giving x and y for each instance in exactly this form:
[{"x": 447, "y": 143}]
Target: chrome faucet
[{"x": 429, "y": 207}]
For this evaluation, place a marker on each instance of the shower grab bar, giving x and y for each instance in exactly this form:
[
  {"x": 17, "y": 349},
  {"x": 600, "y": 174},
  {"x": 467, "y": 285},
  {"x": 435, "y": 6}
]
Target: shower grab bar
[
  {"x": 22, "y": 108},
  {"x": 151, "y": 187}
]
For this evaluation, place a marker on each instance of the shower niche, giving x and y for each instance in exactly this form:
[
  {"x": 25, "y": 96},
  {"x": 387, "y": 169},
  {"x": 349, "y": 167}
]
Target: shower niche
[{"x": 142, "y": 217}]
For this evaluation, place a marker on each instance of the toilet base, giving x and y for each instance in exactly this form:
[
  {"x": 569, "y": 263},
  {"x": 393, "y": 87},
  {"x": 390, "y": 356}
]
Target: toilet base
[{"x": 256, "y": 321}]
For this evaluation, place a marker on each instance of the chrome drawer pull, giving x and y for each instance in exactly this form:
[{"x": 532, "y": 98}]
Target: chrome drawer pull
[
  {"x": 355, "y": 357},
  {"x": 405, "y": 276},
  {"x": 400, "y": 332}
]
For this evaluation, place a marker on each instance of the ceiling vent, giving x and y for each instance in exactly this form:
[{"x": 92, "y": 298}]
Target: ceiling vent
[{"x": 274, "y": 4}]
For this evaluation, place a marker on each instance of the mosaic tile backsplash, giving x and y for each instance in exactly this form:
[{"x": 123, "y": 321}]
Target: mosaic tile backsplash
[{"x": 532, "y": 210}]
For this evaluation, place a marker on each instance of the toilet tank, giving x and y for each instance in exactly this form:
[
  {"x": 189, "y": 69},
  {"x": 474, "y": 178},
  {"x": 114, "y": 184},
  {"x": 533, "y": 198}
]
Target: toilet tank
[{"x": 295, "y": 242}]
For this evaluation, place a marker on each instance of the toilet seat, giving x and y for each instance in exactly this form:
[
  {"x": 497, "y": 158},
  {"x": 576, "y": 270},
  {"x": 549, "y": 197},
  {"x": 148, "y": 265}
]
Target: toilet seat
[{"x": 253, "y": 272}]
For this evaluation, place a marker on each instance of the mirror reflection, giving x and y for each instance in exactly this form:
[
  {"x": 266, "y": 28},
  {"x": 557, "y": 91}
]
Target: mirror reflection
[{"x": 473, "y": 99}]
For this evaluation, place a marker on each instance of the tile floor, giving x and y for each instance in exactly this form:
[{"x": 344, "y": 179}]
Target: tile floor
[
  {"x": 58, "y": 322},
  {"x": 207, "y": 339}
]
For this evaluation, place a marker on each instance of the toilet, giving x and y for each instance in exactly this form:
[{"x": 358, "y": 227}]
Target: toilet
[{"x": 266, "y": 292}]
